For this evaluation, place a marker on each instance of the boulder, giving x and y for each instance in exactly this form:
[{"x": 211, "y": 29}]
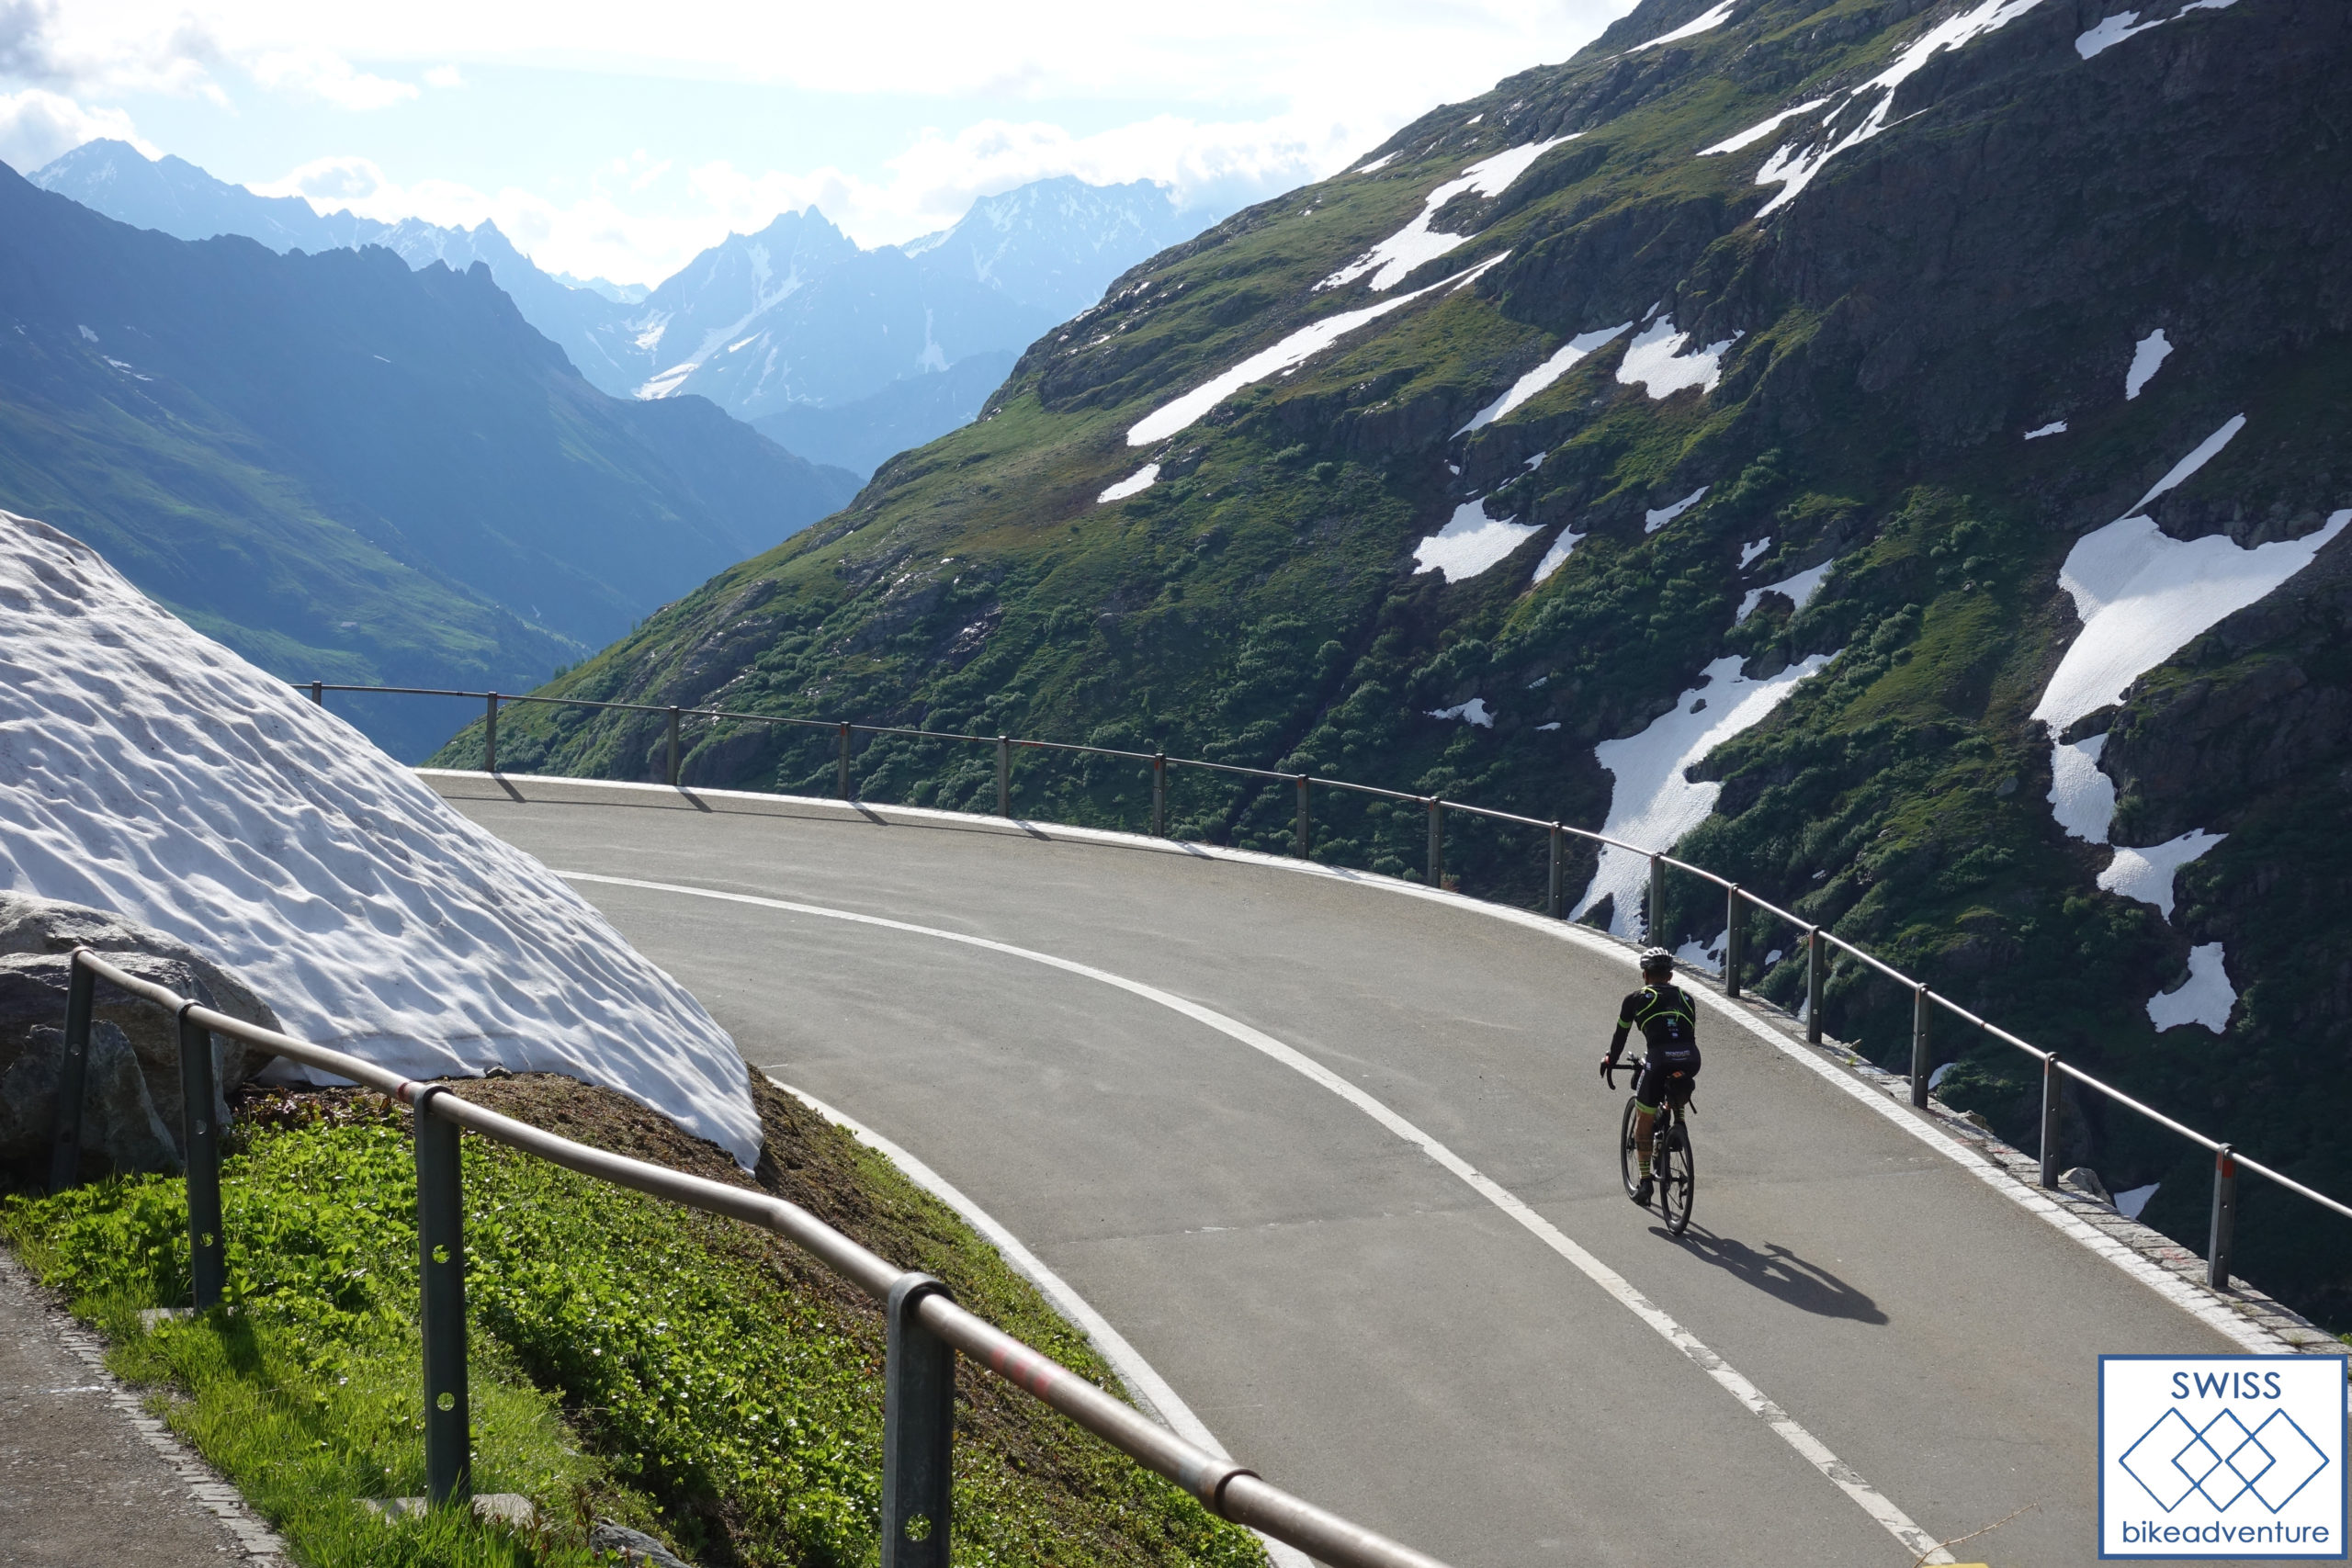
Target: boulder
[{"x": 131, "y": 1109}]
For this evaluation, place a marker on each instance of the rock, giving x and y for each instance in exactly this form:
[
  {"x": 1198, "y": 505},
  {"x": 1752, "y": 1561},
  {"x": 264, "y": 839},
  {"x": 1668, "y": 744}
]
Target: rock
[
  {"x": 635, "y": 1548},
  {"x": 130, "y": 1116},
  {"x": 2083, "y": 1181}
]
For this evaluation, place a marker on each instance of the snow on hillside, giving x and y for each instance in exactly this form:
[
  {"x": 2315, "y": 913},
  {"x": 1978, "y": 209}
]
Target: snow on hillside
[
  {"x": 1652, "y": 803},
  {"x": 1415, "y": 242},
  {"x": 147, "y": 769}
]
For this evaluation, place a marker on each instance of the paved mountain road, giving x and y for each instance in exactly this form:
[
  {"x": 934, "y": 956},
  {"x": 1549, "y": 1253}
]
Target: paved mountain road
[{"x": 1349, "y": 1315}]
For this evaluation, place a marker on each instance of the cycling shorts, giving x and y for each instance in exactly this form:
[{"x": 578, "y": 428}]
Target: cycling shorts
[{"x": 1662, "y": 1078}]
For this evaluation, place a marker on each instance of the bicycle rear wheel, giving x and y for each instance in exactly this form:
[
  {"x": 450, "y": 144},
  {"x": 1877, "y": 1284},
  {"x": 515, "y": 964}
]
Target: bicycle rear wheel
[
  {"x": 1629, "y": 1165},
  {"x": 1678, "y": 1178}
]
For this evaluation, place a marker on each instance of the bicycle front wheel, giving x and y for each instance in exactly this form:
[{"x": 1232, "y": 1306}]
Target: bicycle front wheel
[
  {"x": 1678, "y": 1178},
  {"x": 1628, "y": 1163}
]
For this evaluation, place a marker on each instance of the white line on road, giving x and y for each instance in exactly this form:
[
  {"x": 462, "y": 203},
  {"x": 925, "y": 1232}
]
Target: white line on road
[
  {"x": 1143, "y": 1380},
  {"x": 1872, "y": 1501}
]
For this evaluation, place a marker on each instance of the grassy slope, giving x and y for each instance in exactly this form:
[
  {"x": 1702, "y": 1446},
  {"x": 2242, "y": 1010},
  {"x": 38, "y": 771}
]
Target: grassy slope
[
  {"x": 1980, "y": 269},
  {"x": 630, "y": 1359}
]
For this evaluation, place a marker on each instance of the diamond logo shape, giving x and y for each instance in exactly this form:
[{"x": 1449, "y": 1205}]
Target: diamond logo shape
[
  {"x": 2221, "y": 1482},
  {"x": 2299, "y": 1461},
  {"x": 2146, "y": 1460}
]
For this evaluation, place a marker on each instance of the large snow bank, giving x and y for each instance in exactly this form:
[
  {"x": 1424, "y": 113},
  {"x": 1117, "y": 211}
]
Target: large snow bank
[
  {"x": 1799, "y": 590},
  {"x": 1415, "y": 242},
  {"x": 1287, "y": 354},
  {"x": 1652, "y": 804},
  {"x": 2081, "y": 797},
  {"x": 2147, "y": 354},
  {"x": 147, "y": 769}
]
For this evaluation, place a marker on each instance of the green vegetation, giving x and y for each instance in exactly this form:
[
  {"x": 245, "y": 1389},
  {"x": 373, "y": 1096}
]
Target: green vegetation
[{"x": 631, "y": 1360}]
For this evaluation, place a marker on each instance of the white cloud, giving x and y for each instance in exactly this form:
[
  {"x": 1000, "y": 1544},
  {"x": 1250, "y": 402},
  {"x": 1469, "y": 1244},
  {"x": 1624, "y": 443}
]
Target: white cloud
[
  {"x": 317, "y": 73},
  {"x": 445, "y": 76},
  {"x": 36, "y": 125}
]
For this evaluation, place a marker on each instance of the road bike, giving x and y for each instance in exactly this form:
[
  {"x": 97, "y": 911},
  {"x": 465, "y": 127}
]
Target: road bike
[{"x": 1671, "y": 1164}]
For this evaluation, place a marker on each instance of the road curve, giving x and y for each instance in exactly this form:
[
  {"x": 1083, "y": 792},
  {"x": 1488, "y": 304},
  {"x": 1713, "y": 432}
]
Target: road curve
[{"x": 1088, "y": 1036}]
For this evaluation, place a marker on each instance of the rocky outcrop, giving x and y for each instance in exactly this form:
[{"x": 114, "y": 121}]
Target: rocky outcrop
[{"x": 131, "y": 1105}]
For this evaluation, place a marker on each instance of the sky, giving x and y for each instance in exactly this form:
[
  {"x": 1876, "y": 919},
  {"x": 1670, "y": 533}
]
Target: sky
[{"x": 616, "y": 141}]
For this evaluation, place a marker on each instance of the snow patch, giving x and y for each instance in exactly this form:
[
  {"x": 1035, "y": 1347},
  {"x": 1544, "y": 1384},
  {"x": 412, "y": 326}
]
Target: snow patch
[
  {"x": 1710, "y": 958},
  {"x": 1470, "y": 543},
  {"x": 1657, "y": 362},
  {"x": 1142, "y": 479},
  {"x": 2206, "y": 997},
  {"x": 2114, "y": 29},
  {"x": 1542, "y": 375},
  {"x": 2143, "y": 595},
  {"x": 1651, "y": 802},
  {"x": 2081, "y": 797},
  {"x": 1543, "y": 727},
  {"x": 147, "y": 769},
  {"x": 2056, "y": 427},
  {"x": 1653, "y": 521},
  {"x": 1557, "y": 556},
  {"x": 2180, "y": 473},
  {"x": 2133, "y": 1201},
  {"x": 1935, "y": 1078},
  {"x": 1415, "y": 242},
  {"x": 1759, "y": 131},
  {"x": 1472, "y": 712},
  {"x": 1793, "y": 166},
  {"x": 1291, "y": 352},
  {"x": 1375, "y": 165},
  {"x": 1705, "y": 22},
  {"x": 1747, "y": 553},
  {"x": 1800, "y": 589},
  {"x": 2147, "y": 874},
  {"x": 2147, "y": 355},
  {"x": 662, "y": 385}
]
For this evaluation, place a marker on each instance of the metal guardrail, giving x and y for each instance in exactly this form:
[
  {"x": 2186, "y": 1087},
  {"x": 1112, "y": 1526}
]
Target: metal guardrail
[
  {"x": 926, "y": 1329},
  {"x": 1817, "y": 941}
]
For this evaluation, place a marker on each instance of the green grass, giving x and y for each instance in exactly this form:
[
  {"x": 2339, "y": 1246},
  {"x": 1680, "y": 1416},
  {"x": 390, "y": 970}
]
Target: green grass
[{"x": 629, "y": 1360}]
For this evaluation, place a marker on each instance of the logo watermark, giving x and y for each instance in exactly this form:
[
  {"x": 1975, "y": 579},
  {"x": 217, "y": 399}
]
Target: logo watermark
[{"x": 2221, "y": 1456}]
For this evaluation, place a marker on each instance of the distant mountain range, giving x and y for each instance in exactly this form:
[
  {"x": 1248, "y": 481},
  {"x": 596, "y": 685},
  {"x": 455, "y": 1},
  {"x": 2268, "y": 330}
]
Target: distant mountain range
[
  {"x": 833, "y": 346},
  {"x": 352, "y": 470}
]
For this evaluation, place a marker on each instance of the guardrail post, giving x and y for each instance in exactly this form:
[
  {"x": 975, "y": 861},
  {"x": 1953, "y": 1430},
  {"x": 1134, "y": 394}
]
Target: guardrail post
[
  {"x": 1306, "y": 835},
  {"x": 673, "y": 770},
  {"x": 1919, "y": 1065},
  {"x": 441, "y": 1248},
  {"x": 1655, "y": 925},
  {"x": 1003, "y": 776},
  {"x": 844, "y": 770},
  {"x": 1734, "y": 952},
  {"x": 1437, "y": 841},
  {"x": 1816, "y": 960},
  {"x": 489, "y": 736},
  {"x": 2050, "y": 1120},
  {"x": 207, "y": 1251},
  {"x": 2226, "y": 1218},
  {"x": 318, "y": 694},
  {"x": 72, "y": 1075},
  {"x": 1552, "y": 894},
  {"x": 1158, "y": 794},
  {"x": 917, "y": 1431}
]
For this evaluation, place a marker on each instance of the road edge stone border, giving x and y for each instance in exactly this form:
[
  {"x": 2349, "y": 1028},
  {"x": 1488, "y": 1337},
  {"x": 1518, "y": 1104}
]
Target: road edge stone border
[{"x": 257, "y": 1541}]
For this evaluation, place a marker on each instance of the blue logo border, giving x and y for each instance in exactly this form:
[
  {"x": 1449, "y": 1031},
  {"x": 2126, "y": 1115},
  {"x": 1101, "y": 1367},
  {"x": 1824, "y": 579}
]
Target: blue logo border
[{"x": 2344, "y": 1426}]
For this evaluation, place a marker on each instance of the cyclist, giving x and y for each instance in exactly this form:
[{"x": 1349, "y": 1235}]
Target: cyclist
[{"x": 1667, "y": 1017}]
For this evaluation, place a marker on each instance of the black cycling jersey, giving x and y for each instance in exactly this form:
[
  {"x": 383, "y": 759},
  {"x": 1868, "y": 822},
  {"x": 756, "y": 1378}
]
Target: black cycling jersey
[{"x": 1668, "y": 1021}]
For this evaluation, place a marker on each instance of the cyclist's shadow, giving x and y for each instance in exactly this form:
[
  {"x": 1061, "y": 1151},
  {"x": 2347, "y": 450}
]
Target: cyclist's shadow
[{"x": 1778, "y": 1272}]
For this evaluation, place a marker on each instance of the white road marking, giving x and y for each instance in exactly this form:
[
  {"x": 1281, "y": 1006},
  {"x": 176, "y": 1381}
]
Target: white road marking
[
  {"x": 1143, "y": 1380},
  {"x": 1814, "y": 1452}
]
